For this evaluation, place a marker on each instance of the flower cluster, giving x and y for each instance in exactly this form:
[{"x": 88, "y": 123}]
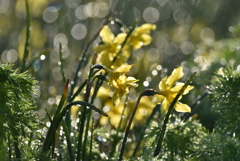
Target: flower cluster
[
  {"x": 114, "y": 52},
  {"x": 121, "y": 83}
]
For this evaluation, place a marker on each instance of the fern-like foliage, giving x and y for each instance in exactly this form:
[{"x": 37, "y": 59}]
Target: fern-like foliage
[
  {"x": 18, "y": 121},
  {"x": 179, "y": 140},
  {"x": 225, "y": 95},
  {"x": 217, "y": 147}
]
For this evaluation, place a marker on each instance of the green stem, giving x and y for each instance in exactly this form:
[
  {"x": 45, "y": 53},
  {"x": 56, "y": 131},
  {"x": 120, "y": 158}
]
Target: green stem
[
  {"x": 81, "y": 150},
  {"x": 27, "y": 42},
  {"x": 9, "y": 147},
  {"x": 144, "y": 129},
  {"x": 91, "y": 138},
  {"x": 89, "y": 111},
  {"x": 160, "y": 140},
  {"x": 17, "y": 150},
  {"x": 148, "y": 92},
  {"x": 61, "y": 62},
  {"x": 69, "y": 145},
  {"x": 116, "y": 138}
]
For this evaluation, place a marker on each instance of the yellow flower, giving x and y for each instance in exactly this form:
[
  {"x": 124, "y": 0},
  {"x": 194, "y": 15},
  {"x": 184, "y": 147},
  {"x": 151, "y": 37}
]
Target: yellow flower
[
  {"x": 168, "y": 92},
  {"x": 120, "y": 82},
  {"x": 140, "y": 37},
  {"x": 108, "y": 61},
  {"x": 111, "y": 44}
]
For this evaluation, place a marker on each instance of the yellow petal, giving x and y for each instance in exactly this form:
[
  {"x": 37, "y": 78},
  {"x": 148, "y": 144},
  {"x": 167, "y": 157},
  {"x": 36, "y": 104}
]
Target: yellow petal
[
  {"x": 188, "y": 89},
  {"x": 180, "y": 107},
  {"x": 100, "y": 48},
  {"x": 124, "y": 68},
  {"x": 162, "y": 85},
  {"x": 179, "y": 86},
  {"x": 105, "y": 60},
  {"x": 145, "y": 28},
  {"x": 175, "y": 76},
  {"x": 165, "y": 104},
  {"x": 157, "y": 99},
  {"x": 106, "y": 35},
  {"x": 131, "y": 81},
  {"x": 120, "y": 38},
  {"x": 115, "y": 99}
]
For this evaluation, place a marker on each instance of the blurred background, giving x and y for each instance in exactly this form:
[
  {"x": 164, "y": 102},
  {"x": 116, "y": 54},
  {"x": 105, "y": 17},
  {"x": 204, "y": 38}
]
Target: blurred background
[{"x": 199, "y": 35}]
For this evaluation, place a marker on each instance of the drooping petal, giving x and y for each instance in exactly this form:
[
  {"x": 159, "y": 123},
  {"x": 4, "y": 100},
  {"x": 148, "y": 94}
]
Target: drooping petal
[
  {"x": 175, "y": 76},
  {"x": 106, "y": 35},
  {"x": 180, "y": 107}
]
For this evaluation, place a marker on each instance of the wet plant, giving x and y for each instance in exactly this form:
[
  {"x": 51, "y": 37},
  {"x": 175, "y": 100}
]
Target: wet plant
[{"x": 104, "y": 110}]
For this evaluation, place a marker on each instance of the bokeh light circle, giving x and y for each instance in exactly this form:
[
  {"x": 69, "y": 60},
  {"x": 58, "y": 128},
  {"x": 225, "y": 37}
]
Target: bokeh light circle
[
  {"x": 50, "y": 14},
  {"x": 72, "y": 3},
  {"x": 10, "y": 56},
  {"x": 60, "y": 38},
  {"x": 79, "y": 13},
  {"x": 4, "y": 5},
  {"x": 152, "y": 54},
  {"x": 207, "y": 35},
  {"x": 151, "y": 15},
  {"x": 79, "y": 31},
  {"x": 187, "y": 47},
  {"x": 91, "y": 9},
  {"x": 103, "y": 9}
]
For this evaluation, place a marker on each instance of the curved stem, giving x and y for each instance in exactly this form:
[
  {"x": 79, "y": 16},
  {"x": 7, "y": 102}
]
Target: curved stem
[{"x": 148, "y": 92}]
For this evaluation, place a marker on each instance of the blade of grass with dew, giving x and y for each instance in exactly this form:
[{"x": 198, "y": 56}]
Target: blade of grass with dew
[
  {"x": 61, "y": 62},
  {"x": 81, "y": 150},
  {"x": 89, "y": 112},
  {"x": 27, "y": 42},
  {"x": 54, "y": 126},
  {"x": 69, "y": 145}
]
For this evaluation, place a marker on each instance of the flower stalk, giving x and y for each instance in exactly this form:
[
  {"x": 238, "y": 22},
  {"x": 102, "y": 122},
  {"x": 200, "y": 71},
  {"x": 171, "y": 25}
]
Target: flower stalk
[{"x": 148, "y": 92}]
